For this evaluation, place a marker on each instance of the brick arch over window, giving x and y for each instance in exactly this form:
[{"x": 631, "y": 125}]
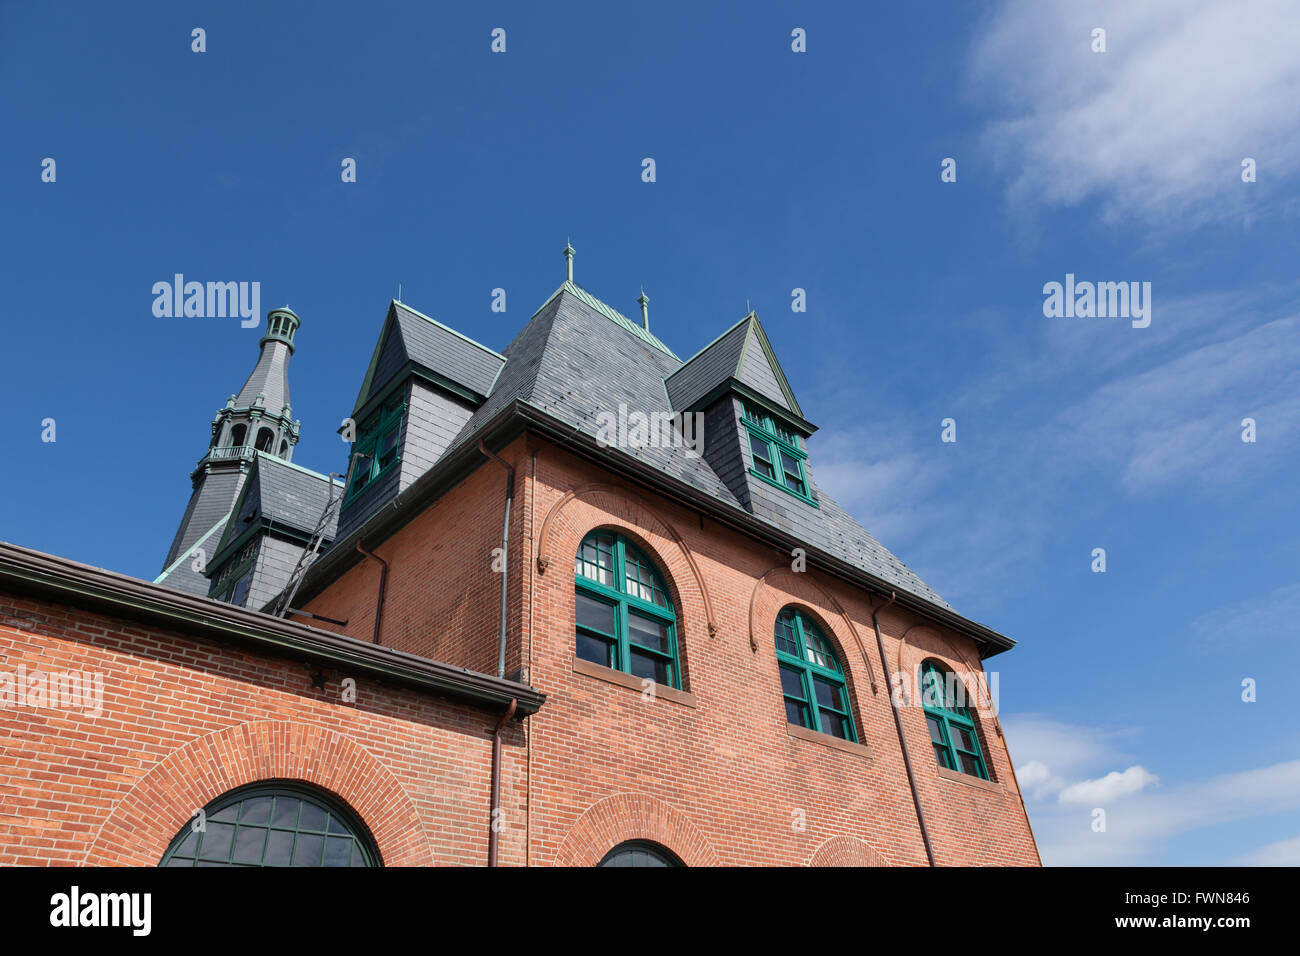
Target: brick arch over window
[
  {"x": 141, "y": 826},
  {"x": 846, "y": 851},
  {"x": 606, "y": 505},
  {"x": 633, "y": 816},
  {"x": 774, "y": 590}
]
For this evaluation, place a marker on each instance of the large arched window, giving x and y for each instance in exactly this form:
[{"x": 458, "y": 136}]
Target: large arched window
[
  {"x": 952, "y": 728},
  {"x": 237, "y": 435},
  {"x": 625, "y": 618},
  {"x": 816, "y": 695},
  {"x": 281, "y": 824},
  {"x": 640, "y": 853},
  {"x": 265, "y": 440}
]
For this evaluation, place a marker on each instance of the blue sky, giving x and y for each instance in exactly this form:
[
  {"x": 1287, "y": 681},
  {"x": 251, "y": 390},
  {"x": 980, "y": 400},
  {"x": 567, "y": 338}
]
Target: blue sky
[{"x": 775, "y": 170}]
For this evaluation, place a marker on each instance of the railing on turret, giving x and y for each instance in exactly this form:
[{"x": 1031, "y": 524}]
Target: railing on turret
[{"x": 234, "y": 451}]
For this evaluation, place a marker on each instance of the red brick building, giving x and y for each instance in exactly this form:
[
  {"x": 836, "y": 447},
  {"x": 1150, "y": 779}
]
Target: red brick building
[{"x": 584, "y": 603}]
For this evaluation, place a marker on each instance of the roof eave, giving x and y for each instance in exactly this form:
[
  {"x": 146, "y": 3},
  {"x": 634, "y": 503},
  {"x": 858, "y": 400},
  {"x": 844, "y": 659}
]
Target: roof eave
[{"x": 79, "y": 584}]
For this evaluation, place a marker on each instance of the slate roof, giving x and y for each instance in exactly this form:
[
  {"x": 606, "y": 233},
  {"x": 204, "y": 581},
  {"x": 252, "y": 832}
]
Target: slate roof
[
  {"x": 411, "y": 336},
  {"x": 294, "y": 496},
  {"x": 742, "y": 354},
  {"x": 577, "y": 358},
  {"x": 269, "y": 378}
]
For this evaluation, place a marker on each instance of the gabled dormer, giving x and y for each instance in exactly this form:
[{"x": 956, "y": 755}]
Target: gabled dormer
[
  {"x": 423, "y": 383},
  {"x": 270, "y": 525},
  {"x": 754, "y": 430}
]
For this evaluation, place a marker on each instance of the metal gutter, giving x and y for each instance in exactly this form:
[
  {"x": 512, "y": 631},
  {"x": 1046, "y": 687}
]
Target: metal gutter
[{"x": 31, "y": 572}]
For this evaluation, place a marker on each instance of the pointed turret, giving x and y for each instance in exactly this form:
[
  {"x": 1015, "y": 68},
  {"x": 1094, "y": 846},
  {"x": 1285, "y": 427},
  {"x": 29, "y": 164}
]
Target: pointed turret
[{"x": 257, "y": 419}]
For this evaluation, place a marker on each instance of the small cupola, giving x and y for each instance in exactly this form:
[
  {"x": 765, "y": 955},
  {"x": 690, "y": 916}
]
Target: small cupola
[{"x": 281, "y": 324}]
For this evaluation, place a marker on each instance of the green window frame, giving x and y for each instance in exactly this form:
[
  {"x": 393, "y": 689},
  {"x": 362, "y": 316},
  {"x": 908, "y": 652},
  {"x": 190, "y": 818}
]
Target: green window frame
[
  {"x": 777, "y": 456},
  {"x": 377, "y": 448},
  {"x": 953, "y": 734},
  {"x": 813, "y": 685},
  {"x": 275, "y": 824},
  {"x": 624, "y": 617}
]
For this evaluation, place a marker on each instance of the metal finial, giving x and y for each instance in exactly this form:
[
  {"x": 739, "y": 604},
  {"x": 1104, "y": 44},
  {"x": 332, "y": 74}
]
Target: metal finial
[
  {"x": 568, "y": 261},
  {"x": 644, "y": 301}
]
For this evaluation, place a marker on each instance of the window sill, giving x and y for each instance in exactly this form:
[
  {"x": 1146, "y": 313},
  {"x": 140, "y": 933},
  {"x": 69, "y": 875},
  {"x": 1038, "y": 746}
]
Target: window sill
[
  {"x": 828, "y": 740},
  {"x": 786, "y": 488},
  {"x": 970, "y": 781},
  {"x": 611, "y": 676}
]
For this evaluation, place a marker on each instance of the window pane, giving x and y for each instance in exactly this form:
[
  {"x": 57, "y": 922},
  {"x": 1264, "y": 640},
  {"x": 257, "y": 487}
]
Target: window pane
[
  {"x": 256, "y": 810},
  {"x": 792, "y": 683},
  {"x": 941, "y": 755},
  {"x": 762, "y": 457},
  {"x": 312, "y": 818},
  {"x": 338, "y": 851},
  {"x": 834, "y": 724},
  {"x": 962, "y": 738},
  {"x": 819, "y": 649},
  {"x": 784, "y": 434},
  {"x": 648, "y": 632},
  {"x": 216, "y": 841},
  {"x": 829, "y": 695},
  {"x": 596, "y": 559},
  {"x": 594, "y": 649},
  {"x": 970, "y": 765},
  {"x": 286, "y": 812},
  {"x": 649, "y": 665},
  {"x": 595, "y": 614},
  {"x": 307, "y": 850},
  {"x": 641, "y": 581},
  {"x": 279, "y": 846},
  {"x": 795, "y": 713},
  {"x": 248, "y": 844},
  {"x": 793, "y": 474},
  {"x": 785, "y": 637},
  {"x": 388, "y": 448},
  {"x": 936, "y": 730}
]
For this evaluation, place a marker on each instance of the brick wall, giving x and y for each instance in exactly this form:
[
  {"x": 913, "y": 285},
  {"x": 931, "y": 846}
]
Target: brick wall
[
  {"x": 185, "y": 720},
  {"x": 713, "y": 772}
]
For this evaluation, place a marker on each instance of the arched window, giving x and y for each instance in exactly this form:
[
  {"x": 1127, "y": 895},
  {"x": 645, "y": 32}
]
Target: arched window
[
  {"x": 952, "y": 728},
  {"x": 280, "y": 824},
  {"x": 816, "y": 695},
  {"x": 640, "y": 853},
  {"x": 237, "y": 435},
  {"x": 265, "y": 440},
  {"x": 625, "y": 619},
  {"x": 284, "y": 447}
]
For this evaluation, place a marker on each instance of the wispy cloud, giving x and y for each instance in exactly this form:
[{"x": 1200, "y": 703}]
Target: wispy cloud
[
  {"x": 1140, "y": 817},
  {"x": 1270, "y": 617},
  {"x": 1156, "y": 127}
]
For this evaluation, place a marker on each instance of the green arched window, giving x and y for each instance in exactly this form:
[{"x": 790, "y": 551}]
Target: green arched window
[
  {"x": 625, "y": 618},
  {"x": 816, "y": 695},
  {"x": 952, "y": 728},
  {"x": 279, "y": 824}
]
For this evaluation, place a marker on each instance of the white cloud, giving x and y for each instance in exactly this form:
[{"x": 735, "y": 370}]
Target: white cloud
[
  {"x": 1157, "y": 126},
  {"x": 1108, "y": 788},
  {"x": 1052, "y": 758}
]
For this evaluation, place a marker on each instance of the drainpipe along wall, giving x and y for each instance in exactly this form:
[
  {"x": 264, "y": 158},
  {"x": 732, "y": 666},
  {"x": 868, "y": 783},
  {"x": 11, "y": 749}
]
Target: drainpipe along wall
[
  {"x": 495, "y": 807},
  {"x": 383, "y": 586},
  {"x": 898, "y": 726}
]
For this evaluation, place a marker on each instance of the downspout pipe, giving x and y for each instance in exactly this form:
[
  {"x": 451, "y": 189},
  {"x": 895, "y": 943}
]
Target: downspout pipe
[
  {"x": 493, "y": 825},
  {"x": 505, "y": 551},
  {"x": 898, "y": 726},
  {"x": 383, "y": 584}
]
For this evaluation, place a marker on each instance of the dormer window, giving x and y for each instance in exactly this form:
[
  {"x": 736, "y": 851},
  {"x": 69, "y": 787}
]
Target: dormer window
[
  {"x": 777, "y": 452},
  {"x": 377, "y": 449}
]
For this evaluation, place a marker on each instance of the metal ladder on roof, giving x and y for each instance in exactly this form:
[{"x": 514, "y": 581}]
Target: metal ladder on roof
[{"x": 308, "y": 556}]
